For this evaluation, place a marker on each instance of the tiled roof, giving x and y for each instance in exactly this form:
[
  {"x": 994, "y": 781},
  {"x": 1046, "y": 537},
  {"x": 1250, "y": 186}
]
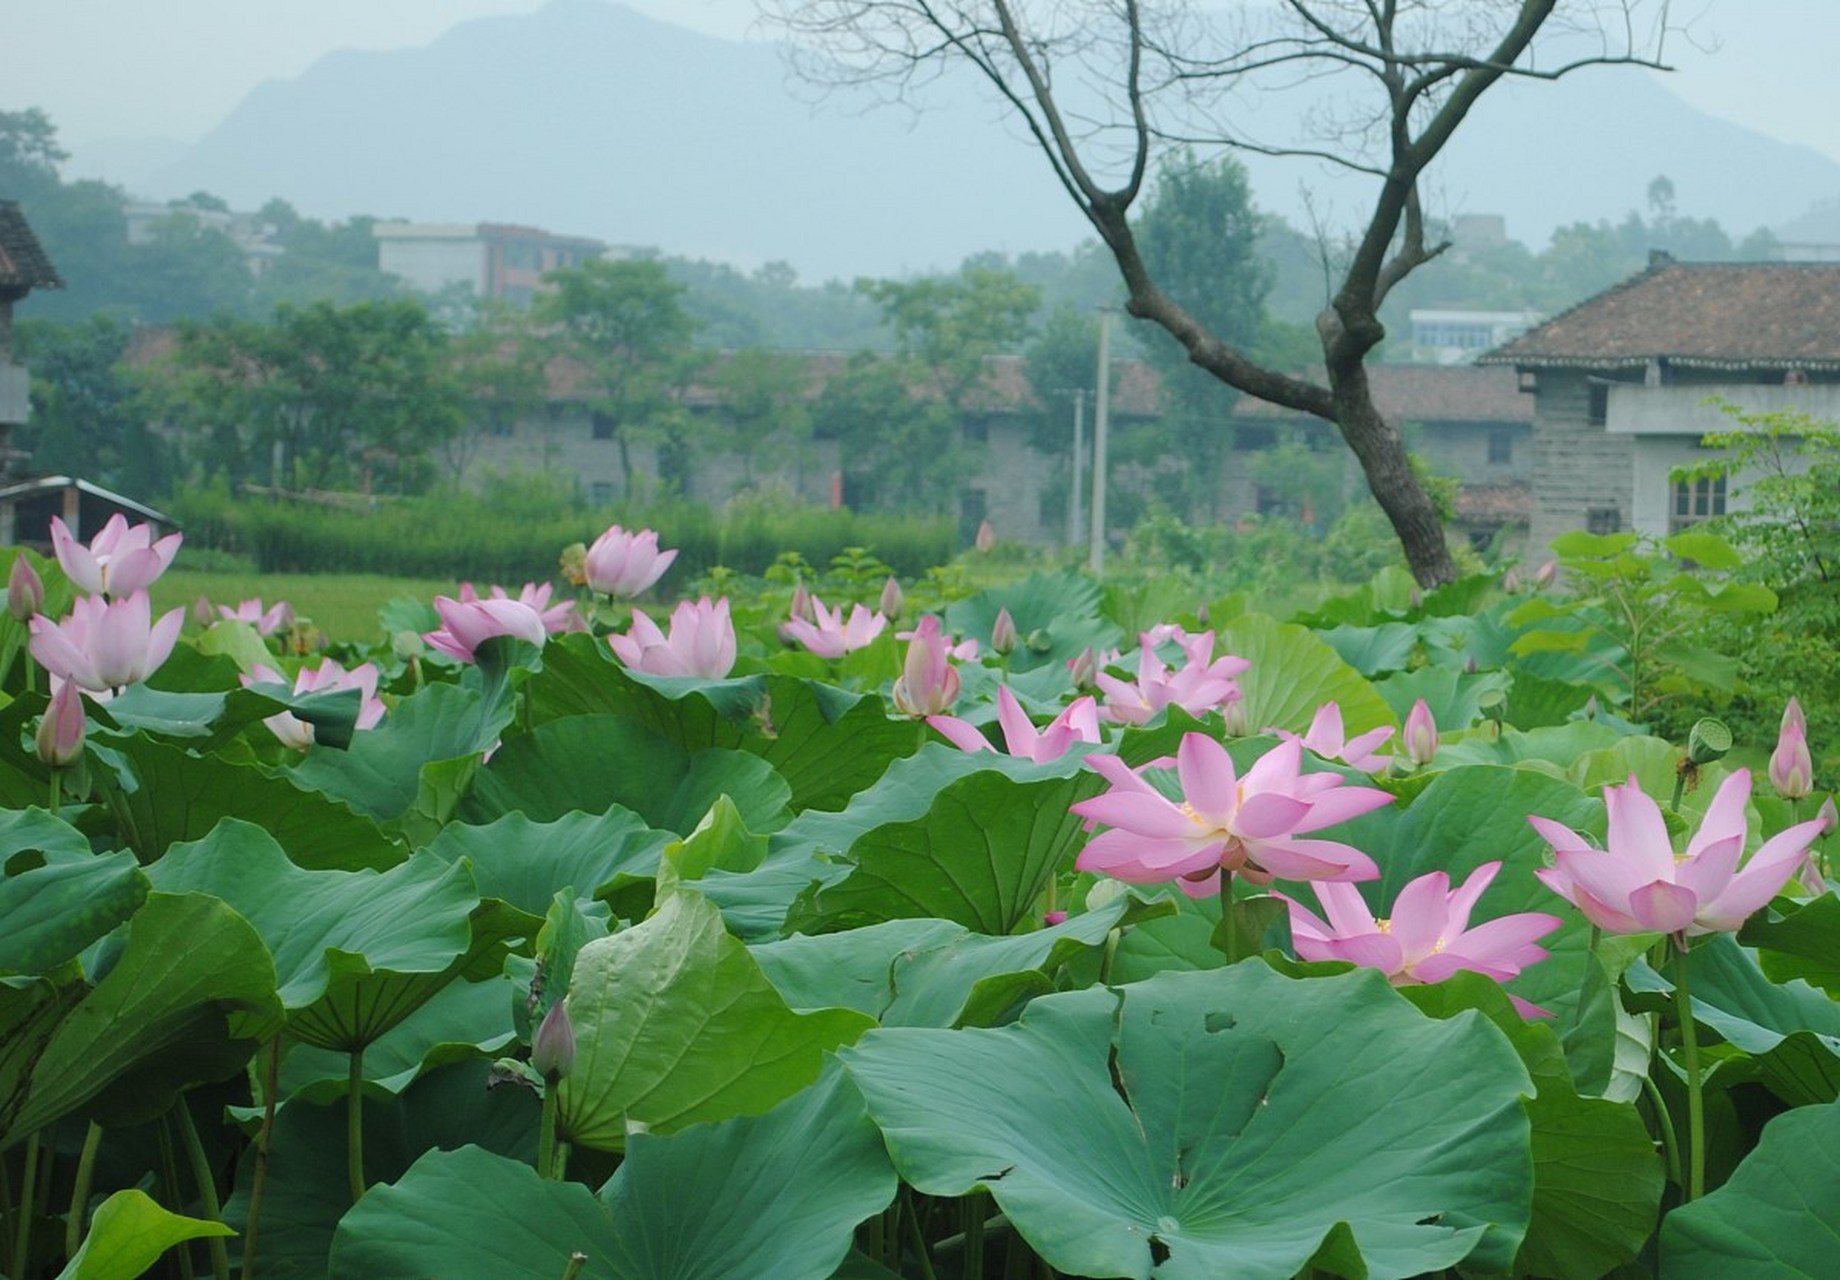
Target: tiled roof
[
  {"x": 23, "y": 264},
  {"x": 1725, "y": 315},
  {"x": 1428, "y": 393},
  {"x": 1494, "y": 503}
]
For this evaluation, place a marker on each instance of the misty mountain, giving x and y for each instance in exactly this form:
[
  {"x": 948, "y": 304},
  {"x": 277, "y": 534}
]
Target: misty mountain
[{"x": 586, "y": 118}]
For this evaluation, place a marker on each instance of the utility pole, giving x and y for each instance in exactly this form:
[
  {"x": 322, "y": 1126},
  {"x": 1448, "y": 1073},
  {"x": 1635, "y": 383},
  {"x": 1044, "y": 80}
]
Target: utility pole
[
  {"x": 1102, "y": 415},
  {"x": 1075, "y": 525}
]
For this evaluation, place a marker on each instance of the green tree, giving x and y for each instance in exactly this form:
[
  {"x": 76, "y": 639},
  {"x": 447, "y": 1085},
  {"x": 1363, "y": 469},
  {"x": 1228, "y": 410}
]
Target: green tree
[
  {"x": 500, "y": 374},
  {"x": 763, "y": 407},
  {"x": 86, "y": 416},
  {"x": 624, "y": 324},
  {"x": 29, "y": 155},
  {"x": 349, "y": 396},
  {"x": 897, "y": 450},
  {"x": 951, "y": 326}
]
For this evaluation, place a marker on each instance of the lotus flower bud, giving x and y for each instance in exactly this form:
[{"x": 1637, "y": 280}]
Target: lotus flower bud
[
  {"x": 1511, "y": 582},
  {"x": 1003, "y": 635},
  {"x": 1829, "y": 814},
  {"x": 60, "y": 733},
  {"x": 894, "y": 600},
  {"x": 1791, "y": 765},
  {"x": 986, "y": 538},
  {"x": 1421, "y": 736},
  {"x": 204, "y": 613},
  {"x": 25, "y": 590},
  {"x": 1238, "y": 721},
  {"x": 552, "y": 1053},
  {"x": 1471, "y": 666},
  {"x": 1792, "y": 715},
  {"x": 1546, "y": 575},
  {"x": 1053, "y": 918},
  {"x": 1082, "y": 667},
  {"x": 929, "y": 683}
]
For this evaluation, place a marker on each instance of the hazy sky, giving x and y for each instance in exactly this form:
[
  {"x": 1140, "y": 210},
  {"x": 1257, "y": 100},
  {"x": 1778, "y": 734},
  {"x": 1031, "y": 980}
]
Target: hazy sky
[{"x": 114, "y": 69}]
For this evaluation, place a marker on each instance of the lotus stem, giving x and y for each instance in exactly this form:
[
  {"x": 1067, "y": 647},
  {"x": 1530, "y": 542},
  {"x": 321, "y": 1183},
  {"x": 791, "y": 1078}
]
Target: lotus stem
[
  {"x": 354, "y": 1125},
  {"x": 56, "y": 796},
  {"x": 207, "y": 1185},
  {"x": 22, "y": 1237},
  {"x": 546, "y": 1131},
  {"x": 1112, "y": 937},
  {"x": 258, "y": 1186},
  {"x": 79, "y": 1191},
  {"x": 1670, "y": 1142},
  {"x": 1696, "y": 1113},
  {"x": 974, "y": 1236},
  {"x": 577, "y": 1261},
  {"x": 169, "y": 1167},
  {"x": 912, "y": 1216}
]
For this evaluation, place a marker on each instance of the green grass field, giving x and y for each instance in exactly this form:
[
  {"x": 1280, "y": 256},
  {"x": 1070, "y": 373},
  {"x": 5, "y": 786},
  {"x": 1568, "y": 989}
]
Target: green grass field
[{"x": 343, "y": 605}]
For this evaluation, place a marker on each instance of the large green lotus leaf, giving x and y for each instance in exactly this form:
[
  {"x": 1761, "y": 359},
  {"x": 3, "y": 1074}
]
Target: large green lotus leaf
[
  {"x": 1555, "y": 748},
  {"x": 1790, "y": 1030},
  {"x": 215, "y": 717},
  {"x": 676, "y": 1024},
  {"x": 1453, "y": 697},
  {"x": 825, "y": 742},
  {"x": 1056, "y": 616},
  {"x": 1373, "y": 650},
  {"x": 1239, "y": 1123},
  {"x": 1597, "y": 1178},
  {"x": 1777, "y": 1216},
  {"x": 309, "y": 1188},
  {"x": 1804, "y": 943},
  {"x": 928, "y": 973},
  {"x": 31, "y": 1011},
  {"x": 772, "y": 1195},
  {"x": 806, "y": 851},
  {"x": 127, "y": 1236},
  {"x": 526, "y": 862},
  {"x": 460, "y": 1022},
  {"x": 187, "y": 999},
  {"x": 58, "y": 907},
  {"x": 980, "y": 857},
  {"x": 588, "y": 764},
  {"x": 380, "y": 774},
  {"x": 161, "y": 795},
  {"x": 1293, "y": 673}
]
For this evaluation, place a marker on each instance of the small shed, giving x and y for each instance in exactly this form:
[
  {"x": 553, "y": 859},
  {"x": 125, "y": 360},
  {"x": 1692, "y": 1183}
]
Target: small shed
[
  {"x": 26, "y": 508},
  {"x": 24, "y": 266}
]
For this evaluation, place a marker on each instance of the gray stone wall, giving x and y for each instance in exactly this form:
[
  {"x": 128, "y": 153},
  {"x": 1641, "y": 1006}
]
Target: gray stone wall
[{"x": 1578, "y": 468}]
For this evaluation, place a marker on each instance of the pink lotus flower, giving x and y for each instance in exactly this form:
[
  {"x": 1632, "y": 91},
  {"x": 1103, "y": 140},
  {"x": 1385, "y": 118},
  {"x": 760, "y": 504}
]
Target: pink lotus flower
[
  {"x": 1079, "y": 722},
  {"x": 929, "y": 683},
  {"x": 624, "y": 564},
  {"x": 1003, "y": 637},
  {"x": 118, "y": 561},
  {"x": 1327, "y": 739},
  {"x": 59, "y": 740},
  {"x": 701, "y": 643},
  {"x": 1200, "y": 685},
  {"x": 328, "y": 677},
  {"x": 265, "y": 621},
  {"x": 25, "y": 590},
  {"x": 1248, "y": 825},
  {"x": 986, "y": 539},
  {"x": 1639, "y": 885},
  {"x": 556, "y": 618},
  {"x": 1427, "y": 938},
  {"x": 1791, "y": 764},
  {"x": 471, "y": 623},
  {"x": 828, "y": 635},
  {"x": 894, "y": 600},
  {"x": 1421, "y": 735},
  {"x": 104, "y": 645},
  {"x": 1793, "y": 715}
]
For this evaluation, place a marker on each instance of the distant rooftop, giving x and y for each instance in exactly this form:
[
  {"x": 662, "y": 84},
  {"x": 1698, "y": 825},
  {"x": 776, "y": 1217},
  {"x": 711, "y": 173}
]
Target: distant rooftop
[
  {"x": 1428, "y": 393},
  {"x": 1720, "y": 315},
  {"x": 24, "y": 265}
]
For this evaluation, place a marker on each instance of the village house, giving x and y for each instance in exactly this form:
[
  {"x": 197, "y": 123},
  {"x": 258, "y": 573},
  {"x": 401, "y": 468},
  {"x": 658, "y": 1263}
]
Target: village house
[{"x": 1624, "y": 387}]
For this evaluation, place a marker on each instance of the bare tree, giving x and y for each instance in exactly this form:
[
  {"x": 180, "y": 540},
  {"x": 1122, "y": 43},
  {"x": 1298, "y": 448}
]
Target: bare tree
[{"x": 1102, "y": 86}]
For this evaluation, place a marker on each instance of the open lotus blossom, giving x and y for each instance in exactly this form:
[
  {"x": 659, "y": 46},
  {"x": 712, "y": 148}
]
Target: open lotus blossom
[
  {"x": 827, "y": 634},
  {"x": 556, "y": 618},
  {"x": 1251, "y": 826},
  {"x": 928, "y": 683},
  {"x": 1791, "y": 764},
  {"x": 701, "y": 643},
  {"x": 328, "y": 677},
  {"x": 120, "y": 560},
  {"x": 1078, "y": 722},
  {"x": 1201, "y": 684},
  {"x": 278, "y": 617},
  {"x": 1427, "y": 938},
  {"x": 622, "y": 563},
  {"x": 1640, "y": 885},
  {"x": 103, "y": 644},
  {"x": 471, "y": 623},
  {"x": 1328, "y": 739}
]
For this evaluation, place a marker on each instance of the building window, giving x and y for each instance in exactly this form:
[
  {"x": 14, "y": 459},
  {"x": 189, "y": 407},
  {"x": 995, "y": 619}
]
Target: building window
[
  {"x": 602, "y": 426},
  {"x": 1501, "y": 446},
  {"x": 1603, "y": 520},
  {"x": 600, "y": 493},
  {"x": 1600, "y": 404},
  {"x": 1697, "y": 499}
]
